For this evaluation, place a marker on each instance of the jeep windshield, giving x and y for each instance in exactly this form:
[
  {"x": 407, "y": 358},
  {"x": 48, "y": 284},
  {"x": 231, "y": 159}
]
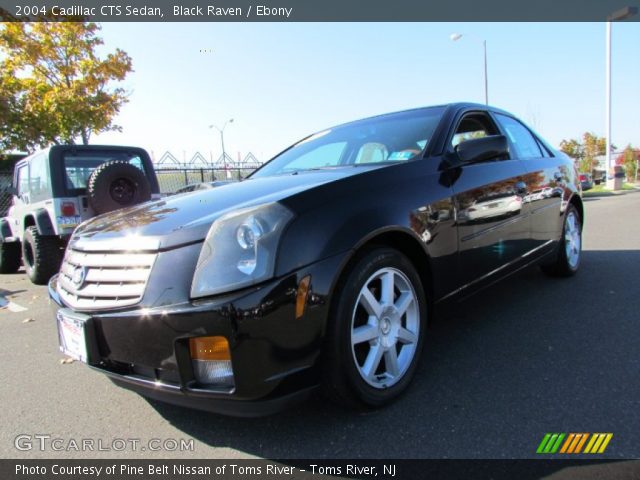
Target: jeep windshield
[
  {"x": 396, "y": 137},
  {"x": 78, "y": 166}
]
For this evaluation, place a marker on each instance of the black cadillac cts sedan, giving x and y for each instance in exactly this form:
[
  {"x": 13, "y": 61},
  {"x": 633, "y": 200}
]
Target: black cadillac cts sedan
[{"x": 323, "y": 268}]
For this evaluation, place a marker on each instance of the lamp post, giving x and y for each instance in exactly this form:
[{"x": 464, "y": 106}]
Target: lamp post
[
  {"x": 457, "y": 36},
  {"x": 621, "y": 14},
  {"x": 221, "y": 130}
]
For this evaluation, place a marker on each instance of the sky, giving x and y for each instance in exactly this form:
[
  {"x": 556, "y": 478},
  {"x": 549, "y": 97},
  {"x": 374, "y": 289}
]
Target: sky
[{"x": 283, "y": 81}]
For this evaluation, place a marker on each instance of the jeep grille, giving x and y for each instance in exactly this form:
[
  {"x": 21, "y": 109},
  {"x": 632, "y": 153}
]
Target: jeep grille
[{"x": 93, "y": 281}]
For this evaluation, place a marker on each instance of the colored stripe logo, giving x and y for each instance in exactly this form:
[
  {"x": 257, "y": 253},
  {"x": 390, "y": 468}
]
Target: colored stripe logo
[{"x": 574, "y": 443}]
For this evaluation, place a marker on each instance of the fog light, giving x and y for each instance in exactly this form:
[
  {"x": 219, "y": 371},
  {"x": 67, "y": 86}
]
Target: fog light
[{"x": 211, "y": 360}]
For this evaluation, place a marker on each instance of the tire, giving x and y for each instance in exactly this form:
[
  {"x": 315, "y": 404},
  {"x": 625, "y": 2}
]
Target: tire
[
  {"x": 347, "y": 375},
  {"x": 567, "y": 259},
  {"x": 41, "y": 255},
  {"x": 117, "y": 184},
  {"x": 9, "y": 257}
]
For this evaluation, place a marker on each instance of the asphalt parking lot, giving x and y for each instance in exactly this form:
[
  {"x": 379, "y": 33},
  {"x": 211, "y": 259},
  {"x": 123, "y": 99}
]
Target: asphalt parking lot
[{"x": 530, "y": 355}]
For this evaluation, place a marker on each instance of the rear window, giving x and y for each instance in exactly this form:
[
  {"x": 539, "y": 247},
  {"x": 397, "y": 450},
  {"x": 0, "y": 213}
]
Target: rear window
[{"x": 78, "y": 166}]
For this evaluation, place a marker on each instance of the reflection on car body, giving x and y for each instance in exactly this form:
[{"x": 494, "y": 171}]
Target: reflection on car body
[
  {"x": 192, "y": 187},
  {"x": 495, "y": 206}
]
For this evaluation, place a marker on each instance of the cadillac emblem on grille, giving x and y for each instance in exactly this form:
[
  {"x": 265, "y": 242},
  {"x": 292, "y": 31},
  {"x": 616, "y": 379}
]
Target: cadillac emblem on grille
[{"x": 79, "y": 275}]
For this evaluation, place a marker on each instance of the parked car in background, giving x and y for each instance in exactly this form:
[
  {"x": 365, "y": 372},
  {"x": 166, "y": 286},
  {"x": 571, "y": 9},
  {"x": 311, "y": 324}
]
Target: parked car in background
[
  {"x": 54, "y": 190},
  {"x": 599, "y": 176},
  {"x": 586, "y": 181},
  {"x": 321, "y": 269}
]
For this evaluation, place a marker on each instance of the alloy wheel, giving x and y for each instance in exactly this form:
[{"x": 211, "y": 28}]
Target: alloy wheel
[
  {"x": 572, "y": 239},
  {"x": 385, "y": 328}
]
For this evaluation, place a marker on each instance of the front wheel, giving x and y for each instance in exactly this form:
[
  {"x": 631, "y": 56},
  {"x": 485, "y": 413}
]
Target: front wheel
[
  {"x": 376, "y": 331},
  {"x": 567, "y": 260}
]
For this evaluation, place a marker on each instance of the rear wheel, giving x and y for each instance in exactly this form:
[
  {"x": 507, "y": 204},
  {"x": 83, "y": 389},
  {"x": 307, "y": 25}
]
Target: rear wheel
[
  {"x": 41, "y": 255},
  {"x": 567, "y": 259},
  {"x": 376, "y": 332},
  {"x": 9, "y": 257}
]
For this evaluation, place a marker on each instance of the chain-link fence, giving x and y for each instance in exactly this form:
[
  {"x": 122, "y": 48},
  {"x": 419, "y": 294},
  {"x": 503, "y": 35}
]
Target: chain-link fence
[
  {"x": 5, "y": 197},
  {"x": 172, "y": 179},
  {"x": 169, "y": 180}
]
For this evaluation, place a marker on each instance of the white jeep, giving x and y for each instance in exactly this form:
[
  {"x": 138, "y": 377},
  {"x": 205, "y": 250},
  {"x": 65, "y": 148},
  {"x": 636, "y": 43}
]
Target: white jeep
[{"x": 56, "y": 189}]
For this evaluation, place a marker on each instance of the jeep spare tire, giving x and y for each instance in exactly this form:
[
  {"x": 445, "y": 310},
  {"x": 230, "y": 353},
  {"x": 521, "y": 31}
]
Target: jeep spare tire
[{"x": 117, "y": 184}]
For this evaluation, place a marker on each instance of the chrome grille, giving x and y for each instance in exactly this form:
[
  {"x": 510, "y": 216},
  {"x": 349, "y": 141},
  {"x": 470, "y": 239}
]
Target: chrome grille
[{"x": 101, "y": 280}]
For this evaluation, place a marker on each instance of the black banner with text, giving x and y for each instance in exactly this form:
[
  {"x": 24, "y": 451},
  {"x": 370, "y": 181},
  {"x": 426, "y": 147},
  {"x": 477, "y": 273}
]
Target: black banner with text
[
  {"x": 325, "y": 11},
  {"x": 318, "y": 469}
]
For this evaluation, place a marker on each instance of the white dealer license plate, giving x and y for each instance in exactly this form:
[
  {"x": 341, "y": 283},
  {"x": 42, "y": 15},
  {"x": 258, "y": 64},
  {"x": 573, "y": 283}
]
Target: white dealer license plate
[{"x": 71, "y": 333}]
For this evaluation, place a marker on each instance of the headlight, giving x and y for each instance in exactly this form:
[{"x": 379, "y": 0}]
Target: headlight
[{"x": 240, "y": 249}]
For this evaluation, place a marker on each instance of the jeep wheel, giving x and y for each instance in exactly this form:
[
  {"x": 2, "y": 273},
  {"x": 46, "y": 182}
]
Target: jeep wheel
[
  {"x": 41, "y": 254},
  {"x": 9, "y": 257},
  {"x": 117, "y": 184}
]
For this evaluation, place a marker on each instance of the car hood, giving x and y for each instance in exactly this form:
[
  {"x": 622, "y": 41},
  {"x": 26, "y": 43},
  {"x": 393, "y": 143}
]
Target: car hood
[{"x": 186, "y": 218}]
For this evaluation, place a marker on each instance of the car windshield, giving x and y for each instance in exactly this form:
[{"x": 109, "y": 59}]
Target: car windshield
[
  {"x": 397, "y": 137},
  {"x": 78, "y": 166}
]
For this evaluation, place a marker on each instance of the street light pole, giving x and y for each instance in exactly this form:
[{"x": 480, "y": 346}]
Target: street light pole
[
  {"x": 607, "y": 127},
  {"x": 486, "y": 76},
  {"x": 457, "y": 36},
  {"x": 221, "y": 130},
  {"x": 224, "y": 153},
  {"x": 621, "y": 14}
]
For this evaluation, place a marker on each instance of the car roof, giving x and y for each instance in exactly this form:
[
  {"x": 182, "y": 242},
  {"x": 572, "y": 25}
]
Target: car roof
[
  {"x": 53, "y": 148},
  {"x": 456, "y": 106},
  {"x": 28, "y": 158}
]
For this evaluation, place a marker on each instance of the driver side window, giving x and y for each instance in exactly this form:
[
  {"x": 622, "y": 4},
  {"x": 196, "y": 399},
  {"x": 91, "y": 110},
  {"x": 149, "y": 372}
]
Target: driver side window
[{"x": 473, "y": 125}]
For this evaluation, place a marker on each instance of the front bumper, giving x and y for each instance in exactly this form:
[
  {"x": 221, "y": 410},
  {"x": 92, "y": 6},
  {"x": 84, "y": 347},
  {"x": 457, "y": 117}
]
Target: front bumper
[{"x": 274, "y": 354}]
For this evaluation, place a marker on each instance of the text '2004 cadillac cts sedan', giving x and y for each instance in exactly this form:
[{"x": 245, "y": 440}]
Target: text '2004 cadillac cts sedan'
[{"x": 323, "y": 267}]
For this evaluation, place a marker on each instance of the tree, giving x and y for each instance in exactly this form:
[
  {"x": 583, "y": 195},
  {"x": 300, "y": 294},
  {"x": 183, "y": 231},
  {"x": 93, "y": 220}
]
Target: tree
[
  {"x": 585, "y": 152},
  {"x": 593, "y": 146},
  {"x": 53, "y": 86},
  {"x": 628, "y": 159},
  {"x": 572, "y": 148}
]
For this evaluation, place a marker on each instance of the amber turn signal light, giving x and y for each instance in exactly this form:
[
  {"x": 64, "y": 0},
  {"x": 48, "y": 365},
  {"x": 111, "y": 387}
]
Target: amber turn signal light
[
  {"x": 209, "y": 348},
  {"x": 301, "y": 296}
]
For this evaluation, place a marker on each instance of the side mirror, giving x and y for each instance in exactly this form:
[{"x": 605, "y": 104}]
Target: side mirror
[
  {"x": 483, "y": 149},
  {"x": 478, "y": 150}
]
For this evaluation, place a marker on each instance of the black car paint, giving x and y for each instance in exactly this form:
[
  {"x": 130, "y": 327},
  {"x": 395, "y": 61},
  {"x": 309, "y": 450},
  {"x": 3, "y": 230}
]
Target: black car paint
[
  {"x": 417, "y": 207},
  {"x": 182, "y": 219}
]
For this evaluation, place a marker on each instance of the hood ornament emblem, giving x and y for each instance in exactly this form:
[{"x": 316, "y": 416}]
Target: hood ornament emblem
[{"x": 79, "y": 276}]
